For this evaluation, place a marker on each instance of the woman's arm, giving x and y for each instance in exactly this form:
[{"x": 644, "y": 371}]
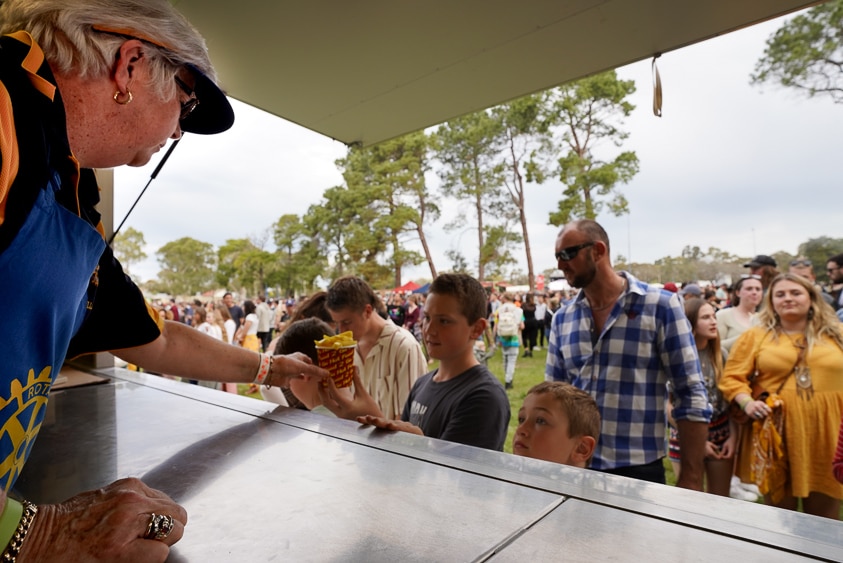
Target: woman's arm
[{"x": 183, "y": 351}]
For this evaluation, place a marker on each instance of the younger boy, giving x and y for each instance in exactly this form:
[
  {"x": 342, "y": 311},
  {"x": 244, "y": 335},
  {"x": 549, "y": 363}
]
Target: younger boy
[
  {"x": 461, "y": 401},
  {"x": 558, "y": 423}
]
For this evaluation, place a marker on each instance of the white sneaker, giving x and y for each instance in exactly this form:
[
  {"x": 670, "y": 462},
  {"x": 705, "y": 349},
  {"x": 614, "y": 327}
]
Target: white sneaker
[
  {"x": 738, "y": 490},
  {"x": 751, "y": 488}
]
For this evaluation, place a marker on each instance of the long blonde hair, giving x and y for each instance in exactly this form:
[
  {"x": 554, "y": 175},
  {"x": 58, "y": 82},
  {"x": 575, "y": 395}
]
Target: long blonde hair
[{"x": 822, "y": 320}]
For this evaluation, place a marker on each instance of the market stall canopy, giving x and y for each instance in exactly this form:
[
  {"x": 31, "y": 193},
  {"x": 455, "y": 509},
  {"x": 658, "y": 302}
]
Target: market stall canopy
[
  {"x": 409, "y": 286},
  {"x": 365, "y": 72}
]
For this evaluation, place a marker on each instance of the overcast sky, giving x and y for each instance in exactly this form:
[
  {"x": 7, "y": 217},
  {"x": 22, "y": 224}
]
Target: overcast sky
[{"x": 743, "y": 168}]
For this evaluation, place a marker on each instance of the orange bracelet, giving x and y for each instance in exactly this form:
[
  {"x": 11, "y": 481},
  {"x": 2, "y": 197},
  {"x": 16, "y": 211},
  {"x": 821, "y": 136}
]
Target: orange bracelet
[{"x": 264, "y": 369}]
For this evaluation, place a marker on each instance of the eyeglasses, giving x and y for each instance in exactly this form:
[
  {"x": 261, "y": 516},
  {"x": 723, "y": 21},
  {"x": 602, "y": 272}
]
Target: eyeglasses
[
  {"x": 571, "y": 252},
  {"x": 750, "y": 277},
  {"x": 829, "y": 270},
  {"x": 801, "y": 264},
  {"x": 190, "y": 105}
]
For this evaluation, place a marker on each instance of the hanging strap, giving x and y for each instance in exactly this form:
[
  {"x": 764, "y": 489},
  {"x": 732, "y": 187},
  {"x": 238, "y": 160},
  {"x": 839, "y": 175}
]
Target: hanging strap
[{"x": 657, "y": 87}]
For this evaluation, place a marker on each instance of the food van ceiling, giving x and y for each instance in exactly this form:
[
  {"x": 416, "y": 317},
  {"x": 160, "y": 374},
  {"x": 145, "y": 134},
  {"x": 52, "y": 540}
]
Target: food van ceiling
[{"x": 367, "y": 71}]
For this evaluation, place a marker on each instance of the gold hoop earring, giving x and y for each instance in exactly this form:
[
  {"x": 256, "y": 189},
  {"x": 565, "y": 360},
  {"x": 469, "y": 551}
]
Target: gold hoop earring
[{"x": 128, "y": 99}]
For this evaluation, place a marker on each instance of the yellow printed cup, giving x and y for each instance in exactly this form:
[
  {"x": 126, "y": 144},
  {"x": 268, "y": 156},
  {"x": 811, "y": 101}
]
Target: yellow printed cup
[
  {"x": 336, "y": 355},
  {"x": 339, "y": 362}
]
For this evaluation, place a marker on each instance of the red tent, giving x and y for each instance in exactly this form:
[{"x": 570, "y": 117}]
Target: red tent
[{"x": 409, "y": 286}]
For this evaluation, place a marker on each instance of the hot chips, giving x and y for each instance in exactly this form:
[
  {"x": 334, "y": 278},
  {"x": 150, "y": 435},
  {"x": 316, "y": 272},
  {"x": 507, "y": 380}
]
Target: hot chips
[{"x": 337, "y": 341}]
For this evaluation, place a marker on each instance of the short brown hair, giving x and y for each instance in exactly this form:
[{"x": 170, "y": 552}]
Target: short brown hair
[
  {"x": 468, "y": 292},
  {"x": 350, "y": 292},
  {"x": 580, "y": 407},
  {"x": 301, "y": 336}
]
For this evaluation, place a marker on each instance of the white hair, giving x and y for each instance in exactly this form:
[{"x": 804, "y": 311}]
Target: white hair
[{"x": 64, "y": 29}]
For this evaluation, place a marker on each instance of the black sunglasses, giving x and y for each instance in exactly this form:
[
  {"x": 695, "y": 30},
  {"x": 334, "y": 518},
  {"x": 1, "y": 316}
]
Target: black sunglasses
[
  {"x": 801, "y": 263},
  {"x": 571, "y": 252},
  {"x": 190, "y": 105}
]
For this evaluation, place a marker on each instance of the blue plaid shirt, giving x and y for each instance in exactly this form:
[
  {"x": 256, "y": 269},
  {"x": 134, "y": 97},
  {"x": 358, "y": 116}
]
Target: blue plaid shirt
[{"x": 645, "y": 343}]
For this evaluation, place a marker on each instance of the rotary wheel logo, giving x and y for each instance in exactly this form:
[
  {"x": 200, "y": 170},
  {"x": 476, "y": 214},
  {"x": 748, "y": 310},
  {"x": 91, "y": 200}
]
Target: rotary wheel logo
[{"x": 23, "y": 412}]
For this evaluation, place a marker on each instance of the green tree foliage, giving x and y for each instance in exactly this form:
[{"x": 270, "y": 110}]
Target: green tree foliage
[
  {"x": 128, "y": 247},
  {"x": 298, "y": 259},
  {"x": 472, "y": 172},
  {"x": 588, "y": 112},
  {"x": 243, "y": 264},
  {"x": 391, "y": 176},
  {"x": 527, "y": 142},
  {"x": 806, "y": 53},
  {"x": 187, "y": 266}
]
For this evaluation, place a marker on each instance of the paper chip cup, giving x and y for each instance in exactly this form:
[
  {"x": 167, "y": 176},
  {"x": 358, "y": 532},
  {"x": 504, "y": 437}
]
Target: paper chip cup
[{"x": 339, "y": 362}]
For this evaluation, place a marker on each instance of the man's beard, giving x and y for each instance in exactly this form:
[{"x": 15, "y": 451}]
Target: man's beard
[{"x": 583, "y": 279}]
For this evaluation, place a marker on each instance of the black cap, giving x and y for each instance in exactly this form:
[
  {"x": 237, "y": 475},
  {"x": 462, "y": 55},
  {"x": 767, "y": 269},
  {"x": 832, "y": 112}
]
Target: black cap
[
  {"x": 761, "y": 260},
  {"x": 213, "y": 114}
]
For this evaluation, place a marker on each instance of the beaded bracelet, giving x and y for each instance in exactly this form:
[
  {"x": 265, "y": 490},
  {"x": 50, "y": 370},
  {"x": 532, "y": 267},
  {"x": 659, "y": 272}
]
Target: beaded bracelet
[
  {"x": 13, "y": 549},
  {"x": 264, "y": 369}
]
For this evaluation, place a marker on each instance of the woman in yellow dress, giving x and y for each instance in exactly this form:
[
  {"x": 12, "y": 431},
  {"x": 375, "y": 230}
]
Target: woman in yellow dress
[{"x": 796, "y": 352}]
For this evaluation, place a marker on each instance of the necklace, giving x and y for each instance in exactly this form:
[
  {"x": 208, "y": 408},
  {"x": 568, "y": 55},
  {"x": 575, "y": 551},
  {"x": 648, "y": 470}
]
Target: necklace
[
  {"x": 804, "y": 384},
  {"x": 610, "y": 303}
]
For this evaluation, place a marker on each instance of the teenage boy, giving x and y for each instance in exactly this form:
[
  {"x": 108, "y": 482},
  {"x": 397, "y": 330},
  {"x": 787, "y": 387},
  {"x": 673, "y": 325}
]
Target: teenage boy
[
  {"x": 389, "y": 357},
  {"x": 461, "y": 401},
  {"x": 558, "y": 423}
]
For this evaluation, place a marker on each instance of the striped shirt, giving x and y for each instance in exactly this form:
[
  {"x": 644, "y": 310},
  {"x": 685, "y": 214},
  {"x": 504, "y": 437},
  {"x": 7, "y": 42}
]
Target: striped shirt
[
  {"x": 646, "y": 342},
  {"x": 391, "y": 368}
]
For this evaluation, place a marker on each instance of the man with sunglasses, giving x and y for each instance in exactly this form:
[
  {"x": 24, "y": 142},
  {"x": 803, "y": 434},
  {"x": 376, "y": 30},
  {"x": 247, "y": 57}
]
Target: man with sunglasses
[
  {"x": 834, "y": 268},
  {"x": 622, "y": 341},
  {"x": 803, "y": 267}
]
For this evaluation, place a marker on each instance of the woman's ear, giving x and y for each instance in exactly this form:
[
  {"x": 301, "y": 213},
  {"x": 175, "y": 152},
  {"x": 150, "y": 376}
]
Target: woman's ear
[{"x": 126, "y": 62}]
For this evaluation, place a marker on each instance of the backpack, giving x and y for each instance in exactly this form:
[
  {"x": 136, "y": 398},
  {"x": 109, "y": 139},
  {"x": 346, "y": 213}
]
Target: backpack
[{"x": 508, "y": 320}]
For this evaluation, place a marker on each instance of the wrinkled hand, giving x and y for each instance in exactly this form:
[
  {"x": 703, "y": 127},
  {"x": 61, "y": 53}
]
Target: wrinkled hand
[
  {"x": 293, "y": 366},
  {"x": 103, "y": 525},
  {"x": 388, "y": 424},
  {"x": 358, "y": 404}
]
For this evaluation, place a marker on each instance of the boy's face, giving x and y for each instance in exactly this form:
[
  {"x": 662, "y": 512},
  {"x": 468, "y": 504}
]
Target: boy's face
[
  {"x": 356, "y": 321},
  {"x": 447, "y": 334},
  {"x": 543, "y": 433}
]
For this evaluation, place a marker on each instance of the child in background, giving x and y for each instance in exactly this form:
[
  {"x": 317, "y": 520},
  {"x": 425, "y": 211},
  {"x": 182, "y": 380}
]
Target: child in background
[
  {"x": 558, "y": 423},
  {"x": 461, "y": 401},
  {"x": 301, "y": 336}
]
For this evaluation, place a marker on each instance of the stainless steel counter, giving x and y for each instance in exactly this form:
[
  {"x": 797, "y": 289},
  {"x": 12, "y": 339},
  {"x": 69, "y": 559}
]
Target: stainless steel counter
[{"x": 272, "y": 485}]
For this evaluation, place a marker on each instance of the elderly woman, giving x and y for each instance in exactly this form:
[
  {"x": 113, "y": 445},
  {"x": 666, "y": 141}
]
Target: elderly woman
[
  {"x": 795, "y": 352},
  {"x": 93, "y": 84}
]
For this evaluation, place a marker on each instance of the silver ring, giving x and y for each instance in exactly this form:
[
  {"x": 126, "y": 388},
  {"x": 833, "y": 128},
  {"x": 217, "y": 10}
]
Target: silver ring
[{"x": 160, "y": 526}]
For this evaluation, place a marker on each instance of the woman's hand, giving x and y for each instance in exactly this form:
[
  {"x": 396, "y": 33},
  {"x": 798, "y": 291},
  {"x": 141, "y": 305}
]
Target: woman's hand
[
  {"x": 293, "y": 366},
  {"x": 108, "y": 524},
  {"x": 756, "y": 410}
]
